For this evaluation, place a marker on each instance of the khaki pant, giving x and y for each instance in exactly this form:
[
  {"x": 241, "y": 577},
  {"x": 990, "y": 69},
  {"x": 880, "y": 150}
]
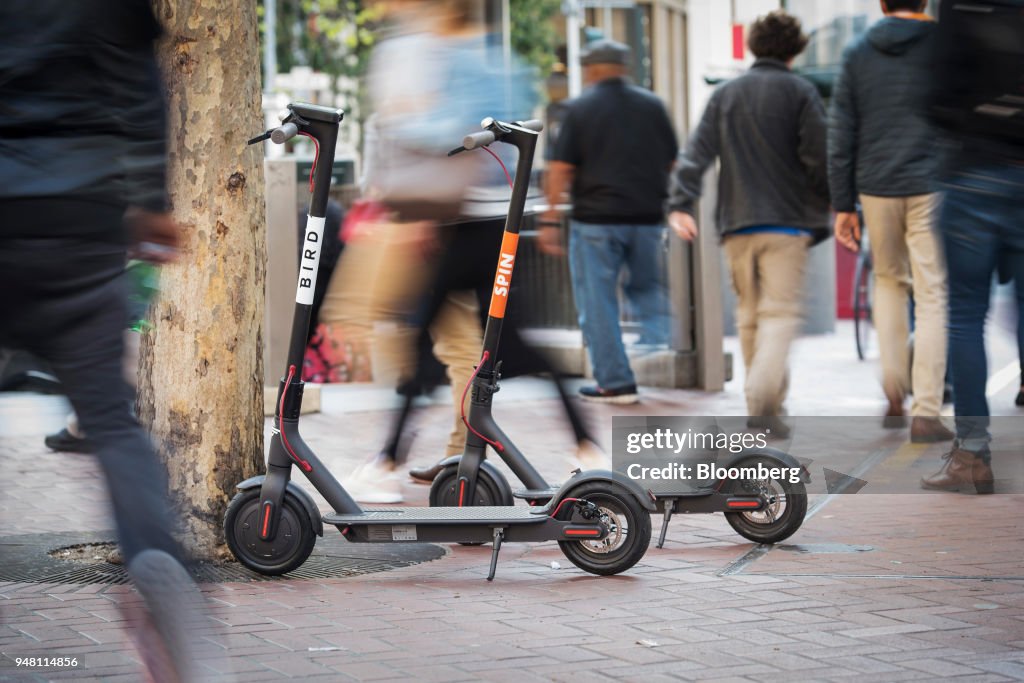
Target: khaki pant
[
  {"x": 908, "y": 258},
  {"x": 380, "y": 278},
  {"x": 768, "y": 275}
]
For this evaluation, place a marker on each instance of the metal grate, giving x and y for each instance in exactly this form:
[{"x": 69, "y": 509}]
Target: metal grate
[{"x": 28, "y": 560}]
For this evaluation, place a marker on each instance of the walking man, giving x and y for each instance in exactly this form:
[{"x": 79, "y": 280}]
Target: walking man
[
  {"x": 767, "y": 129},
  {"x": 882, "y": 150},
  {"x": 975, "y": 80},
  {"x": 614, "y": 151},
  {"x": 82, "y": 174}
]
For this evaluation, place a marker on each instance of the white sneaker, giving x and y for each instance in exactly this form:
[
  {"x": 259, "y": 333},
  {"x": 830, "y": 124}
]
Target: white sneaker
[
  {"x": 589, "y": 456},
  {"x": 375, "y": 481}
]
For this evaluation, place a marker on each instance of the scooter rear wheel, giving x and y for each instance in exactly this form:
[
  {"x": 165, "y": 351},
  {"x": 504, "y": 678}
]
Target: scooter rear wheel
[
  {"x": 290, "y": 546},
  {"x": 780, "y": 518},
  {"x": 629, "y": 526}
]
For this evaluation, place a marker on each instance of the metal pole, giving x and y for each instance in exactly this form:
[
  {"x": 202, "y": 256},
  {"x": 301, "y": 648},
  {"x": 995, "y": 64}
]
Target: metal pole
[
  {"x": 269, "y": 44},
  {"x": 571, "y": 9}
]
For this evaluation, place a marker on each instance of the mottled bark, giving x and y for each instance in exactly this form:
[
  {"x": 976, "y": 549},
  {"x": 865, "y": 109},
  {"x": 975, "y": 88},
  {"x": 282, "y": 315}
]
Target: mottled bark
[{"x": 201, "y": 381}]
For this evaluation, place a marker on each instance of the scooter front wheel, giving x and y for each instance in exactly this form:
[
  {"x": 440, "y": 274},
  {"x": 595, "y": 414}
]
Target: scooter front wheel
[
  {"x": 629, "y": 530},
  {"x": 290, "y": 546},
  {"x": 783, "y": 513}
]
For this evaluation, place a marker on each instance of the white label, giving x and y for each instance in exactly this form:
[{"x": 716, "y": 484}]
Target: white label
[
  {"x": 403, "y": 532},
  {"x": 310, "y": 262}
]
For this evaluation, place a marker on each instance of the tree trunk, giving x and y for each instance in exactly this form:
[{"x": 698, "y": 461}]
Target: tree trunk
[{"x": 201, "y": 381}]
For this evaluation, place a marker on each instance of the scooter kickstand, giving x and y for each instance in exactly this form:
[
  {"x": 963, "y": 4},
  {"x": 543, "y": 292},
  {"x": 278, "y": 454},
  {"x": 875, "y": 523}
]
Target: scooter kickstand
[
  {"x": 499, "y": 536},
  {"x": 670, "y": 505}
]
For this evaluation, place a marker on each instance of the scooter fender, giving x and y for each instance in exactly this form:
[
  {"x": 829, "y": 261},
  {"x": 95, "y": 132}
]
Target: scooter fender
[
  {"x": 297, "y": 491},
  {"x": 645, "y": 498},
  {"x": 496, "y": 476},
  {"x": 783, "y": 459}
]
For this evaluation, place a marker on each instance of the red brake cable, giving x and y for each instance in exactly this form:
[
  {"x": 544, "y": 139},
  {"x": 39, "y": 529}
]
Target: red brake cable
[{"x": 462, "y": 403}]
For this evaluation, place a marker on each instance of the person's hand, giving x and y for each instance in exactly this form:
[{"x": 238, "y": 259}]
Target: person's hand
[
  {"x": 549, "y": 239},
  {"x": 847, "y": 230},
  {"x": 156, "y": 235},
  {"x": 683, "y": 225}
]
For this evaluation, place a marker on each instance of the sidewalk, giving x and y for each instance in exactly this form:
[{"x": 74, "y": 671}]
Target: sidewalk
[{"x": 893, "y": 587}]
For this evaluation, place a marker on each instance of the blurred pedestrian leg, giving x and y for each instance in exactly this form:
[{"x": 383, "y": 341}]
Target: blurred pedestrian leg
[
  {"x": 768, "y": 277},
  {"x": 908, "y": 260}
]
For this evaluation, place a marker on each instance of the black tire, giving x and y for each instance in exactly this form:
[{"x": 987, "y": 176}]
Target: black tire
[
  {"x": 444, "y": 491},
  {"x": 862, "y": 300},
  {"x": 784, "y": 513},
  {"x": 287, "y": 551},
  {"x": 630, "y": 532}
]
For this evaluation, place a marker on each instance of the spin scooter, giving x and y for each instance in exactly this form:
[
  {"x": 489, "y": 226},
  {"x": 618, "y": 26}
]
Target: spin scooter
[
  {"x": 762, "y": 511},
  {"x": 601, "y": 522}
]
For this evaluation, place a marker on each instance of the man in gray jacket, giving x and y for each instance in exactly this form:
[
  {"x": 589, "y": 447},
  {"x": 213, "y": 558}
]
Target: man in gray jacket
[
  {"x": 883, "y": 150},
  {"x": 767, "y": 128}
]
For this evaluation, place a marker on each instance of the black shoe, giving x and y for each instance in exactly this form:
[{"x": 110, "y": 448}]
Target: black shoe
[
  {"x": 623, "y": 396},
  {"x": 426, "y": 474},
  {"x": 1020, "y": 397},
  {"x": 67, "y": 442}
]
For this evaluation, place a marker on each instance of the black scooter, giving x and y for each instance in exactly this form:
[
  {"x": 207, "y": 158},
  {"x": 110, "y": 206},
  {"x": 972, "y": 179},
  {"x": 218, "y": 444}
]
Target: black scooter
[
  {"x": 601, "y": 521},
  {"x": 762, "y": 511}
]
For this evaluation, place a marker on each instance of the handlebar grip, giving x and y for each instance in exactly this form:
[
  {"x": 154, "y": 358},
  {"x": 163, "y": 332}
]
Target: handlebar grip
[
  {"x": 533, "y": 124},
  {"x": 283, "y": 134},
  {"x": 474, "y": 140}
]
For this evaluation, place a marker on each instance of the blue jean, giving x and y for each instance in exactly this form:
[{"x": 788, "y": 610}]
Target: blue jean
[
  {"x": 598, "y": 253},
  {"x": 981, "y": 221}
]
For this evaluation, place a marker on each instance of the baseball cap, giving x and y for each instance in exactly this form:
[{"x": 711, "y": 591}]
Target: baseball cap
[{"x": 605, "y": 52}]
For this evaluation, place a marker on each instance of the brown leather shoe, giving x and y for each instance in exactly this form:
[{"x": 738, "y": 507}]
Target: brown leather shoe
[
  {"x": 929, "y": 430},
  {"x": 894, "y": 418},
  {"x": 962, "y": 471}
]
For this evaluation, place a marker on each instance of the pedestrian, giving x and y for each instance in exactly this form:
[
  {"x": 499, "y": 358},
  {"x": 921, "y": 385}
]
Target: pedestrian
[
  {"x": 82, "y": 176},
  {"x": 975, "y": 98},
  {"x": 613, "y": 154},
  {"x": 767, "y": 130},
  {"x": 882, "y": 151}
]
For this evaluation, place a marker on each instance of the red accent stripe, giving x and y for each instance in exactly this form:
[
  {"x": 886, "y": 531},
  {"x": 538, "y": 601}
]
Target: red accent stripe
[
  {"x": 462, "y": 490},
  {"x": 582, "y": 532},
  {"x": 280, "y": 414},
  {"x": 744, "y": 503},
  {"x": 266, "y": 520}
]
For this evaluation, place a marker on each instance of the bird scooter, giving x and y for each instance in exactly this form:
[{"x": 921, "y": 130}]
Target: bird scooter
[
  {"x": 760, "y": 510},
  {"x": 601, "y": 521}
]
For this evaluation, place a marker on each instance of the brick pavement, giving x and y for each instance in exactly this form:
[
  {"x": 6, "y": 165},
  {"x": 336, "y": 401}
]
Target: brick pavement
[{"x": 935, "y": 590}]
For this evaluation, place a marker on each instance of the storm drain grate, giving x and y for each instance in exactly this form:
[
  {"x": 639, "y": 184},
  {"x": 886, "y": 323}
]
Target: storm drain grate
[{"x": 27, "y": 559}]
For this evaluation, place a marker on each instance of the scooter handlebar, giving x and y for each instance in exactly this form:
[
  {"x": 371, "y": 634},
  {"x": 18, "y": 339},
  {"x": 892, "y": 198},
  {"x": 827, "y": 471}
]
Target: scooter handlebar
[
  {"x": 480, "y": 139},
  {"x": 533, "y": 124},
  {"x": 283, "y": 134}
]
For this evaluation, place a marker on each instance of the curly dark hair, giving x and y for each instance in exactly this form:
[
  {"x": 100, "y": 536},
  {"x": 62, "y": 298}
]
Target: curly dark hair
[{"x": 777, "y": 35}]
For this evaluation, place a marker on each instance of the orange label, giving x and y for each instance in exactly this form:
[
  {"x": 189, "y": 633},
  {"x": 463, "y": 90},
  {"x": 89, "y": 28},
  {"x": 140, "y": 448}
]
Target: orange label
[{"x": 503, "y": 278}]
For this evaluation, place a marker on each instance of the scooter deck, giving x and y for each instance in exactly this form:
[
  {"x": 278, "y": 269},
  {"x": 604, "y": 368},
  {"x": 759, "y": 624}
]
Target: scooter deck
[{"x": 506, "y": 515}]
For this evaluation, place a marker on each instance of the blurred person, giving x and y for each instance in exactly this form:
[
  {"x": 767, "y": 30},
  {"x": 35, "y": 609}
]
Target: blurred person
[
  {"x": 882, "y": 151},
  {"x": 976, "y": 78},
  {"x": 82, "y": 176},
  {"x": 613, "y": 153},
  {"x": 431, "y": 82},
  {"x": 767, "y": 129}
]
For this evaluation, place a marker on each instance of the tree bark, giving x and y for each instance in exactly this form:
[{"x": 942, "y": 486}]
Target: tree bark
[{"x": 201, "y": 378}]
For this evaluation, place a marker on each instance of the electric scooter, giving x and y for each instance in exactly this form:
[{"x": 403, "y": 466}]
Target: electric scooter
[
  {"x": 762, "y": 511},
  {"x": 601, "y": 521}
]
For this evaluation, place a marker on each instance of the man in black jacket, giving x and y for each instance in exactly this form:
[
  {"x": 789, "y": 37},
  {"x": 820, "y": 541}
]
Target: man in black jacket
[
  {"x": 882, "y": 149},
  {"x": 82, "y": 174},
  {"x": 767, "y": 127}
]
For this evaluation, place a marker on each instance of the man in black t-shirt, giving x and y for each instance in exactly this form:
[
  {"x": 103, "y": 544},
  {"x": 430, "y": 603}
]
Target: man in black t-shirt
[{"x": 614, "y": 150}]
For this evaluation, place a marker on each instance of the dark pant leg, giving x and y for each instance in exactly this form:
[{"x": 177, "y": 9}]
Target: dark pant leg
[
  {"x": 971, "y": 246},
  {"x": 65, "y": 300}
]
